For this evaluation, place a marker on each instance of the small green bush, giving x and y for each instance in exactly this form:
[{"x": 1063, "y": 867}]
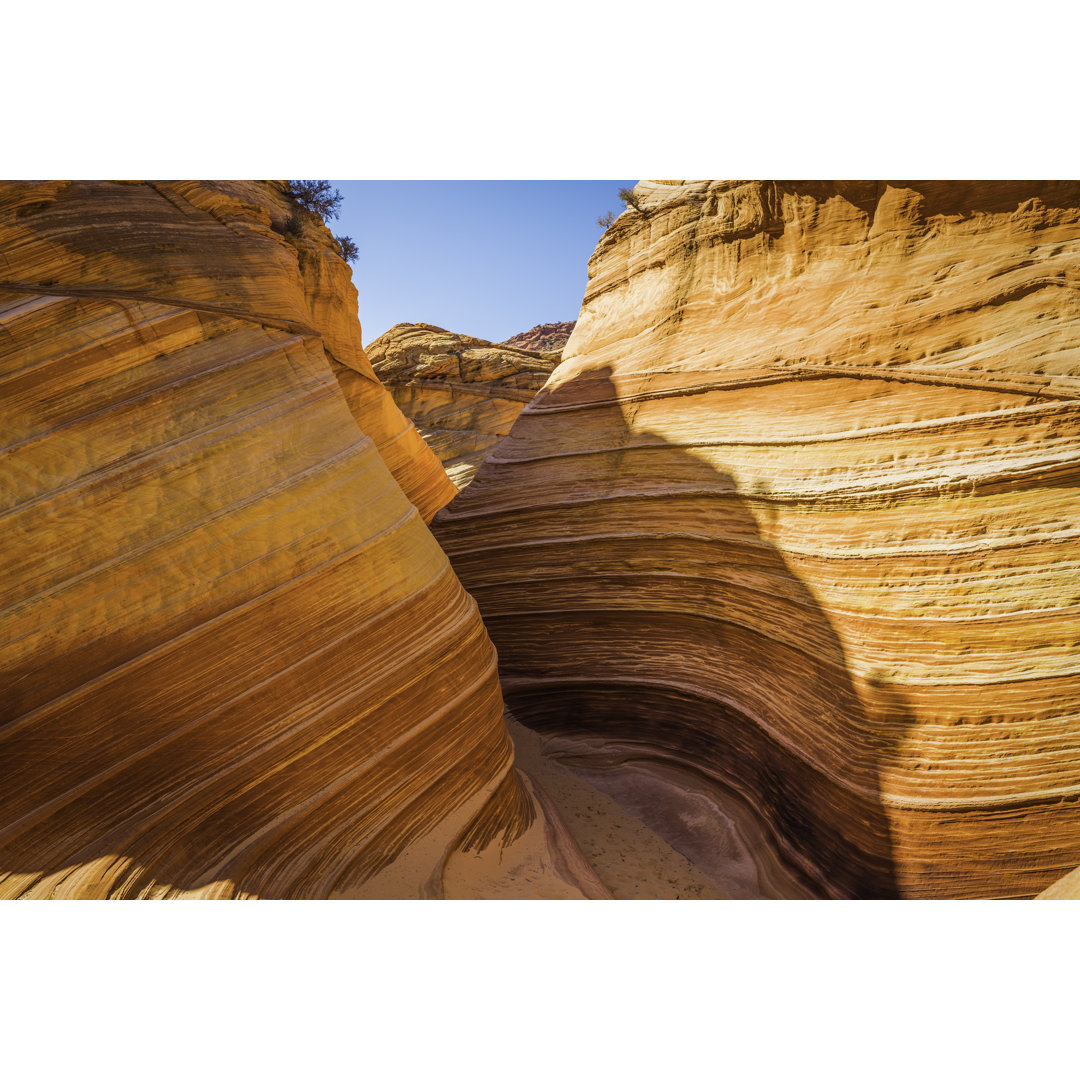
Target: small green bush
[{"x": 631, "y": 199}]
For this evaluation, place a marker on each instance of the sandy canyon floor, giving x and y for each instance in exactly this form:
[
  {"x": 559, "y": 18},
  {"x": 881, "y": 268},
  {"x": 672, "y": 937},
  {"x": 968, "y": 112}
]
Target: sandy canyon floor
[{"x": 630, "y": 859}]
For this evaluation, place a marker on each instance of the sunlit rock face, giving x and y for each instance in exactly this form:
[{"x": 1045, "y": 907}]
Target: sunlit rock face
[
  {"x": 215, "y": 248},
  {"x": 785, "y": 554},
  {"x": 234, "y": 661},
  {"x": 463, "y": 393},
  {"x": 547, "y": 337},
  {"x": 1066, "y": 888}
]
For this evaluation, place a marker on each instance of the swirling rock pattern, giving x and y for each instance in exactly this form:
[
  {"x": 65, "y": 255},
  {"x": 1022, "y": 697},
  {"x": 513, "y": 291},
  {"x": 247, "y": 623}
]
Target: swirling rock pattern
[
  {"x": 787, "y": 548},
  {"x": 234, "y": 661},
  {"x": 216, "y": 248},
  {"x": 463, "y": 393}
]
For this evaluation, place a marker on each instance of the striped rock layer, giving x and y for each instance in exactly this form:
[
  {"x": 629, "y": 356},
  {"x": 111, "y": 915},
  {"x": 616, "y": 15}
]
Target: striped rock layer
[
  {"x": 233, "y": 660},
  {"x": 787, "y": 551},
  {"x": 463, "y": 393}
]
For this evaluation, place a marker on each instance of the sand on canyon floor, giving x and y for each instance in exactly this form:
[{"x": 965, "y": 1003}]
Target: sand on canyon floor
[{"x": 629, "y": 858}]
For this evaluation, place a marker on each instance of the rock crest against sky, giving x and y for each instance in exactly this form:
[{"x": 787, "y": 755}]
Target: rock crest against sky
[{"x": 462, "y": 393}]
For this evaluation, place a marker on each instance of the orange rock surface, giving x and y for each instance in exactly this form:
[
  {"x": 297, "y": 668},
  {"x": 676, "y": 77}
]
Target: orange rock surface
[
  {"x": 463, "y": 393},
  {"x": 215, "y": 248},
  {"x": 786, "y": 553},
  {"x": 233, "y": 660}
]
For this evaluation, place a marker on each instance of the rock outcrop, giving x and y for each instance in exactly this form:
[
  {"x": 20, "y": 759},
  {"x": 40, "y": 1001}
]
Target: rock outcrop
[
  {"x": 462, "y": 393},
  {"x": 546, "y": 338},
  {"x": 786, "y": 554},
  {"x": 235, "y": 663}
]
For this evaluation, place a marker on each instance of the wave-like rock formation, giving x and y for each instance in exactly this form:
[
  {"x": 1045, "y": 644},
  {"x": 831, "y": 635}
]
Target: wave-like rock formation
[
  {"x": 547, "y": 337},
  {"x": 234, "y": 661},
  {"x": 462, "y": 393},
  {"x": 786, "y": 552}
]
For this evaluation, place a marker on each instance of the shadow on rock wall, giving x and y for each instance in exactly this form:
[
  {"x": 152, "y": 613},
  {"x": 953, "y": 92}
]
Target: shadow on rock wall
[{"x": 691, "y": 644}]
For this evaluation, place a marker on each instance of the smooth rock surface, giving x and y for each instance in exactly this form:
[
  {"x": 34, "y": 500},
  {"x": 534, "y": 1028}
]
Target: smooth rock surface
[
  {"x": 1066, "y": 888},
  {"x": 233, "y": 660},
  {"x": 794, "y": 525},
  {"x": 462, "y": 393}
]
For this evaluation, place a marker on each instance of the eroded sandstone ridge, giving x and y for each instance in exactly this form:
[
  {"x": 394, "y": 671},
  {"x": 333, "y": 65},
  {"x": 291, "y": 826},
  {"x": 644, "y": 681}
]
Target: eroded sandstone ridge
[
  {"x": 547, "y": 337},
  {"x": 235, "y": 663},
  {"x": 786, "y": 552},
  {"x": 462, "y": 393}
]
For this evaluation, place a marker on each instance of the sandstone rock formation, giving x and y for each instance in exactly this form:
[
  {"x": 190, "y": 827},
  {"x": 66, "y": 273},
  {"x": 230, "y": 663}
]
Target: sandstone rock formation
[
  {"x": 1066, "y": 888},
  {"x": 235, "y": 663},
  {"x": 462, "y": 393},
  {"x": 786, "y": 552},
  {"x": 546, "y": 338}
]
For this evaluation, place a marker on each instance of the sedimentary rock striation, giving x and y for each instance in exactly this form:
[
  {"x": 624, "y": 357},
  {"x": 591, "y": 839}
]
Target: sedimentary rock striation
[
  {"x": 462, "y": 393},
  {"x": 235, "y": 663},
  {"x": 214, "y": 248},
  {"x": 547, "y": 337},
  {"x": 786, "y": 553}
]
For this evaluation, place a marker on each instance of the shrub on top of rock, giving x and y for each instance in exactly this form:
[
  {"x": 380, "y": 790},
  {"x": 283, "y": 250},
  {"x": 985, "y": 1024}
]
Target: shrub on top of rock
[{"x": 320, "y": 200}]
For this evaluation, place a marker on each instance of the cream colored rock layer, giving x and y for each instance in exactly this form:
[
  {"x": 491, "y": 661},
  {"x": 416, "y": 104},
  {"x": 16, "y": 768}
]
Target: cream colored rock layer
[
  {"x": 233, "y": 660},
  {"x": 1067, "y": 888},
  {"x": 796, "y": 517},
  {"x": 463, "y": 393}
]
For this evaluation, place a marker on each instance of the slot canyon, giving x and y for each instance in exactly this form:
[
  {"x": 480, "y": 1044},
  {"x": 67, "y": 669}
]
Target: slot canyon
[{"x": 763, "y": 584}]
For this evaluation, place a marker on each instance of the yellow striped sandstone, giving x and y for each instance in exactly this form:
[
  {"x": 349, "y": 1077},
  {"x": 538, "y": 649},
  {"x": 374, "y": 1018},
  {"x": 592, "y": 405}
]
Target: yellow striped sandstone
[
  {"x": 786, "y": 552},
  {"x": 234, "y": 661},
  {"x": 463, "y": 393}
]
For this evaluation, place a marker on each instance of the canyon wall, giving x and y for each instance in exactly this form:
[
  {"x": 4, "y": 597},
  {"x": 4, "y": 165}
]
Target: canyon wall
[
  {"x": 234, "y": 661},
  {"x": 786, "y": 553},
  {"x": 462, "y": 393}
]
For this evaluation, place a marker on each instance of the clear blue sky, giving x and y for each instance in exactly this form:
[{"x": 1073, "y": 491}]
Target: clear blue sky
[{"x": 489, "y": 258}]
